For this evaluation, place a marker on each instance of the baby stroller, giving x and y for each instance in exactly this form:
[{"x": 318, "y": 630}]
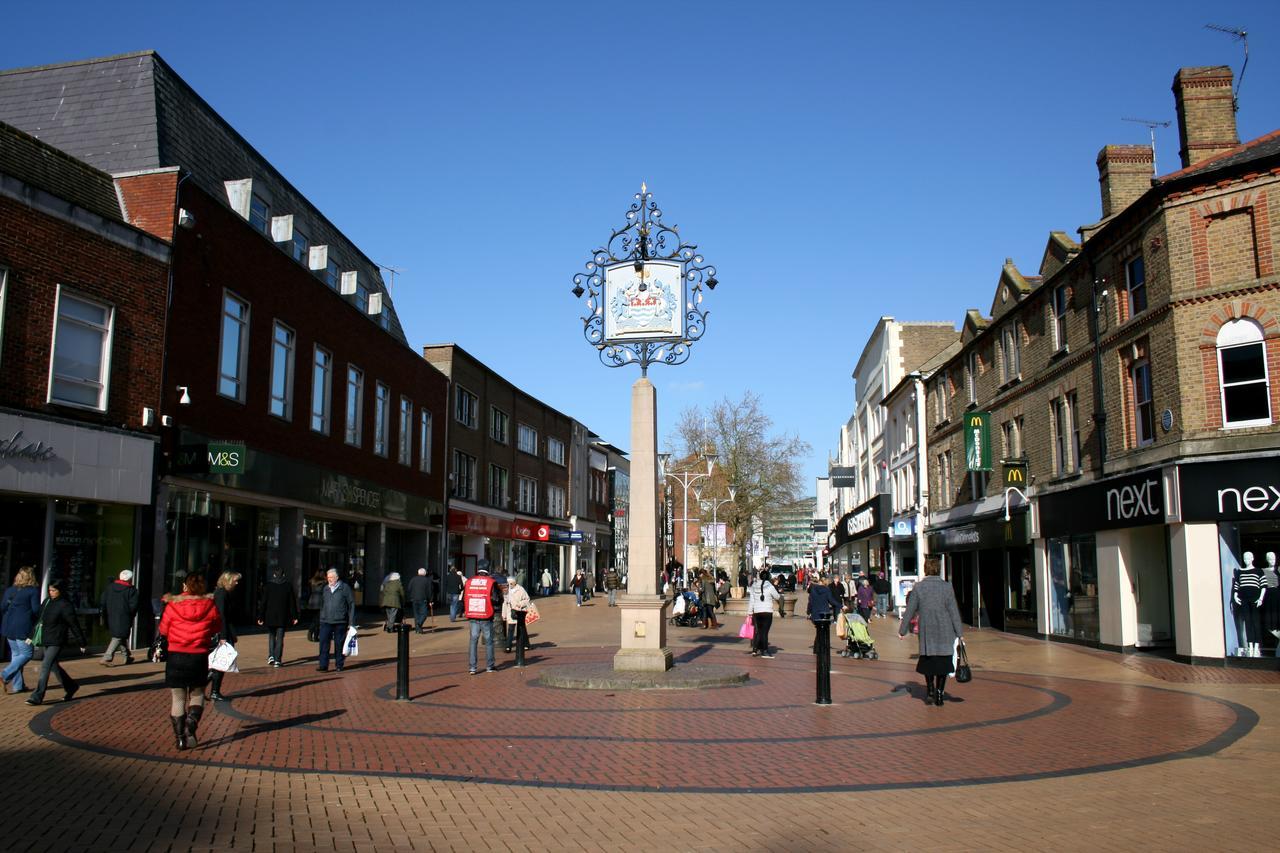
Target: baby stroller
[
  {"x": 858, "y": 642},
  {"x": 685, "y": 611}
]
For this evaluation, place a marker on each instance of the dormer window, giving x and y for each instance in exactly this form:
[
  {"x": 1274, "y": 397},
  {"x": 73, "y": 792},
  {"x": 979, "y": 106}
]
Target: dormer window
[
  {"x": 332, "y": 274},
  {"x": 260, "y": 214},
  {"x": 300, "y": 248}
]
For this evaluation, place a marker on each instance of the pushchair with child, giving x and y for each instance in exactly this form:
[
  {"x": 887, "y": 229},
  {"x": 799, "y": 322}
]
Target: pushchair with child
[
  {"x": 685, "y": 610},
  {"x": 858, "y": 642}
]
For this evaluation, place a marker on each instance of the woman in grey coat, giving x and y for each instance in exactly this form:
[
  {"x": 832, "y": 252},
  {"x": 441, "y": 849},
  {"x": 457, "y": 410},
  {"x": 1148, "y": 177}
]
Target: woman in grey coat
[{"x": 934, "y": 601}]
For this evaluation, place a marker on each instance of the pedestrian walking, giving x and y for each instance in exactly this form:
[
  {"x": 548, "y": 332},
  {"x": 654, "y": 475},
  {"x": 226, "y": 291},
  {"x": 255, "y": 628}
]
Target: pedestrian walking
[
  {"x": 391, "y": 600},
  {"x": 761, "y": 596},
  {"x": 454, "y": 584},
  {"x": 420, "y": 591},
  {"x": 278, "y": 611},
  {"x": 315, "y": 600},
  {"x": 227, "y": 583},
  {"x": 934, "y": 601},
  {"x": 708, "y": 600},
  {"x": 337, "y": 611},
  {"x": 189, "y": 625},
  {"x": 612, "y": 583},
  {"x": 866, "y": 599},
  {"x": 515, "y": 607},
  {"x": 21, "y": 608},
  {"x": 881, "y": 588},
  {"x": 578, "y": 584},
  {"x": 119, "y": 606},
  {"x": 546, "y": 582},
  {"x": 56, "y": 624},
  {"x": 822, "y": 609},
  {"x": 482, "y": 599}
]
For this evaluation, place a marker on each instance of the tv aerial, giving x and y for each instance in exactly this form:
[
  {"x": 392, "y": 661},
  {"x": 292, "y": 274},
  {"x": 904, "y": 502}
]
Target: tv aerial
[
  {"x": 391, "y": 286},
  {"x": 1239, "y": 35},
  {"x": 1151, "y": 125}
]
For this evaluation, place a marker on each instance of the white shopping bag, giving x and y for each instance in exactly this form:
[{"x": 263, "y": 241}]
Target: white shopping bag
[
  {"x": 352, "y": 643},
  {"x": 223, "y": 658}
]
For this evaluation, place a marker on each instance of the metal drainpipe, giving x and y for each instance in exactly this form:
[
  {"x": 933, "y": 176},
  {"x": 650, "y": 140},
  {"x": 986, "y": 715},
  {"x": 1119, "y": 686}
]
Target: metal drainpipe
[{"x": 1099, "y": 397}]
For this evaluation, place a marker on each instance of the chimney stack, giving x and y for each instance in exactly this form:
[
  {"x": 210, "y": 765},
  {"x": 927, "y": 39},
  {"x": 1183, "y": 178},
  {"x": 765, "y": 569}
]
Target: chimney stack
[
  {"x": 1124, "y": 173},
  {"x": 1206, "y": 112}
]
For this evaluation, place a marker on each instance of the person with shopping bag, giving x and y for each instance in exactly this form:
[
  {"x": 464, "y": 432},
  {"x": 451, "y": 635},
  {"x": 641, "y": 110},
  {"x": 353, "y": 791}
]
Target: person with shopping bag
[
  {"x": 337, "y": 616},
  {"x": 189, "y": 624},
  {"x": 933, "y": 600},
  {"x": 762, "y": 597},
  {"x": 227, "y": 583}
]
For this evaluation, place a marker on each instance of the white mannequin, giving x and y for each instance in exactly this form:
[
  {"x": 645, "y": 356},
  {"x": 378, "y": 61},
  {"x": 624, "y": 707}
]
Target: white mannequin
[{"x": 1269, "y": 571}]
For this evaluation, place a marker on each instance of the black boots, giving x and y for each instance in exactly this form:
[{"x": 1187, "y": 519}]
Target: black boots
[
  {"x": 942, "y": 681},
  {"x": 179, "y": 731},
  {"x": 215, "y": 678},
  {"x": 193, "y": 722}
]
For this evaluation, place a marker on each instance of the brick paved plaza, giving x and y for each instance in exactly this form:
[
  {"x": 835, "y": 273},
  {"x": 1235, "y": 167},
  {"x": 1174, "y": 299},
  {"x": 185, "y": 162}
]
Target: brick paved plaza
[{"x": 1050, "y": 747}]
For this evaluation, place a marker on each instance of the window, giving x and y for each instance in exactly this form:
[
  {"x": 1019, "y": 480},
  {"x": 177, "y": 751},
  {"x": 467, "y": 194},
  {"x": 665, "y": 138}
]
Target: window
[
  {"x": 498, "y": 425},
  {"x": 1135, "y": 275},
  {"x": 260, "y": 214},
  {"x": 528, "y": 501},
  {"x": 1010, "y": 354},
  {"x": 4, "y": 277},
  {"x": 300, "y": 248},
  {"x": 942, "y": 398},
  {"x": 555, "y": 450},
  {"x": 321, "y": 390},
  {"x": 1074, "y": 411},
  {"x": 555, "y": 501},
  {"x": 362, "y": 298},
  {"x": 527, "y": 439},
  {"x": 944, "y": 476},
  {"x": 971, "y": 376},
  {"x": 424, "y": 441},
  {"x": 233, "y": 350},
  {"x": 1059, "y": 308},
  {"x": 81, "y": 352},
  {"x": 355, "y": 404},
  {"x": 282, "y": 372},
  {"x": 1144, "y": 422},
  {"x": 1012, "y": 438},
  {"x": 464, "y": 476},
  {"x": 405, "y": 435},
  {"x": 1061, "y": 431},
  {"x": 332, "y": 275},
  {"x": 497, "y": 486},
  {"x": 464, "y": 406},
  {"x": 381, "y": 401},
  {"x": 1242, "y": 372}
]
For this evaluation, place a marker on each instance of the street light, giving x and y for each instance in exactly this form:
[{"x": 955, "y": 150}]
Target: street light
[
  {"x": 715, "y": 519},
  {"x": 685, "y": 479}
]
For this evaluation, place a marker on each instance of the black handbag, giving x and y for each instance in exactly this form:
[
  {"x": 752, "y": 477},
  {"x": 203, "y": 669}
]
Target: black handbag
[
  {"x": 963, "y": 673},
  {"x": 159, "y": 649}
]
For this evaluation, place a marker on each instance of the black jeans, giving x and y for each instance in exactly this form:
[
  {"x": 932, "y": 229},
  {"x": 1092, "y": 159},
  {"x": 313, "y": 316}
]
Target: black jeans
[
  {"x": 50, "y": 664},
  {"x": 337, "y": 635},
  {"x": 521, "y": 633},
  {"x": 275, "y": 642},
  {"x": 760, "y": 642}
]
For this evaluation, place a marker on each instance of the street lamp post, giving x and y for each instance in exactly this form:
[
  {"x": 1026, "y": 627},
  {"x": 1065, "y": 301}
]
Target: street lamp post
[
  {"x": 715, "y": 517},
  {"x": 685, "y": 479}
]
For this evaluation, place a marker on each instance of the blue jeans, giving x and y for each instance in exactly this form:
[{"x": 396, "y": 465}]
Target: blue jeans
[
  {"x": 454, "y": 600},
  {"x": 20, "y": 651},
  {"x": 613, "y": 598},
  {"x": 420, "y": 613},
  {"x": 337, "y": 634},
  {"x": 578, "y": 593},
  {"x": 478, "y": 627},
  {"x": 882, "y": 603}
]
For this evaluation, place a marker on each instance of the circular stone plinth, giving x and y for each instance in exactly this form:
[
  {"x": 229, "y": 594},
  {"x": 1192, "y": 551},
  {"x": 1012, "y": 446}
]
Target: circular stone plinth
[{"x": 602, "y": 676}]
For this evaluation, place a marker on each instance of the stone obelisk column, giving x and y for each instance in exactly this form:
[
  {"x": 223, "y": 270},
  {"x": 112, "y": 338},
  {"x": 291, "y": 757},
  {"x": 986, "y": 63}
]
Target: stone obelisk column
[{"x": 644, "y": 623}]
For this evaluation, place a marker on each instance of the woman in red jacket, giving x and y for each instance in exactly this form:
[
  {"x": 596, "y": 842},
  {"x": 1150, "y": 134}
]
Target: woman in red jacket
[{"x": 189, "y": 622}]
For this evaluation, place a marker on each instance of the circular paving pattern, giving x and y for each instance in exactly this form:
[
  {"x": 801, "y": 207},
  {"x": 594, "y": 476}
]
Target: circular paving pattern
[{"x": 762, "y": 737}]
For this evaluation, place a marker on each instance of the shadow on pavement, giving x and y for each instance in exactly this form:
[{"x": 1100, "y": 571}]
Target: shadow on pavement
[
  {"x": 274, "y": 725},
  {"x": 273, "y": 690},
  {"x": 433, "y": 692}
]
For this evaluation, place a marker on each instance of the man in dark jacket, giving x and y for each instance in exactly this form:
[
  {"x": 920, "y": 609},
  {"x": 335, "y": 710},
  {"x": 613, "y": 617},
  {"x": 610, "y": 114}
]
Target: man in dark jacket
[
  {"x": 337, "y": 611},
  {"x": 278, "y": 611},
  {"x": 119, "y": 606},
  {"x": 612, "y": 583},
  {"x": 453, "y": 587},
  {"x": 420, "y": 592}
]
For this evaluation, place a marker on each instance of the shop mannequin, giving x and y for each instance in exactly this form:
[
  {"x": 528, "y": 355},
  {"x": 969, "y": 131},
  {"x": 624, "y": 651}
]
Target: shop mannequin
[
  {"x": 1248, "y": 590},
  {"x": 1271, "y": 613}
]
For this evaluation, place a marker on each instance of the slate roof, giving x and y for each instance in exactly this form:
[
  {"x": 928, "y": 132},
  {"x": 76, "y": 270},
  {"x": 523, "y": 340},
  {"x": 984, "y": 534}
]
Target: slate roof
[
  {"x": 40, "y": 165},
  {"x": 1262, "y": 148}
]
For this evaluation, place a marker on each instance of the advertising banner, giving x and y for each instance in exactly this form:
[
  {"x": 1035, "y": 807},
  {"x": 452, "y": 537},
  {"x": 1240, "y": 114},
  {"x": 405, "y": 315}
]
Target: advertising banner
[{"x": 977, "y": 441}]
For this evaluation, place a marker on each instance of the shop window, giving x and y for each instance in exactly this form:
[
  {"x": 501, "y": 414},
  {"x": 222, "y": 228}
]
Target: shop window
[
  {"x": 424, "y": 441},
  {"x": 555, "y": 450},
  {"x": 405, "y": 435},
  {"x": 465, "y": 407},
  {"x": 1242, "y": 372},
  {"x": 381, "y": 416},
  {"x": 527, "y": 439},
  {"x": 1058, "y": 308},
  {"x": 498, "y": 425},
  {"x": 498, "y": 486},
  {"x": 233, "y": 352},
  {"x": 1248, "y": 554},
  {"x": 282, "y": 339},
  {"x": 321, "y": 390},
  {"x": 1073, "y": 573},
  {"x": 81, "y": 352},
  {"x": 355, "y": 405},
  {"x": 1135, "y": 276},
  {"x": 1144, "y": 418},
  {"x": 464, "y": 476}
]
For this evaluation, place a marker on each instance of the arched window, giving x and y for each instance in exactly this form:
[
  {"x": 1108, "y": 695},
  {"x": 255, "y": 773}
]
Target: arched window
[{"x": 1242, "y": 373}]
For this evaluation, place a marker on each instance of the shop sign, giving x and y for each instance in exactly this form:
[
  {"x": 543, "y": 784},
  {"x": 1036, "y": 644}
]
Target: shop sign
[
  {"x": 339, "y": 491},
  {"x": 977, "y": 443},
  {"x": 478, "y": 524},
  {"x": 903, "y": 528},
  {"x": 1132, "y": 501},
  {"x": 987, "y": 533},
  {"x": 564, "y": 537},
  {"x": 531, "y": 531},
  {"x": 865, "y": 520},
  {"x": 216, "y": 457},
  {"x": 1015, "y": 475},
  {"x": 1230, "y": 491},
  {"x": 18, "y": 447}
]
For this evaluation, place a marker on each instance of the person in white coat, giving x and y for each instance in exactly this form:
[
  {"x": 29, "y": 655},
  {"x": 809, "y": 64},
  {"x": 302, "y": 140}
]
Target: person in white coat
[{"x": 762, "y": 598}]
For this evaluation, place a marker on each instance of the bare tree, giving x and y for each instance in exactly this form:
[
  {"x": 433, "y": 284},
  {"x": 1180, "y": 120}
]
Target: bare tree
[{"x": 761, "y": 467}]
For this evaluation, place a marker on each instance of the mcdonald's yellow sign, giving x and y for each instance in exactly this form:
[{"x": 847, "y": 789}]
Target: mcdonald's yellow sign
[{"x": 1015, "y": 474}]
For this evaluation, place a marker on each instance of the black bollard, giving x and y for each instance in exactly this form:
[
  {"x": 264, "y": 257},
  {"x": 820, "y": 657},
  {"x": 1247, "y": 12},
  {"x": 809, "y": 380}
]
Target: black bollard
[
  {"x": 822, "y": 642},
  {"x": 402, "y": 662}
]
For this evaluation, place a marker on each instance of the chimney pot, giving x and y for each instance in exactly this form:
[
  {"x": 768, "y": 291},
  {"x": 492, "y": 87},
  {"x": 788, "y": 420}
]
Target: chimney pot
[{"x": 1206, "y": 112}]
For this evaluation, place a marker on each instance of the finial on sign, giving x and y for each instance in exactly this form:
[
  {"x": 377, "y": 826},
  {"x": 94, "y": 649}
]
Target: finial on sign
[{"x": 643, "y": 189}]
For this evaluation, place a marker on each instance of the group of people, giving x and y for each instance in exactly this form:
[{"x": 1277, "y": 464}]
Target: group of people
[
  {"x": 419, "y": 593},
  {"x": 483, "y": 600}
]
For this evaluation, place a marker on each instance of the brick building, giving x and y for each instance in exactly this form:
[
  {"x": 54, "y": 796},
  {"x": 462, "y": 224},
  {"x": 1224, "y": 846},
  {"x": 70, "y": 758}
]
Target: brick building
[
  {"x": 509, "y": 467},
  {"x": 82, "y": 296},
  {"x": 1134, "y": 377}
]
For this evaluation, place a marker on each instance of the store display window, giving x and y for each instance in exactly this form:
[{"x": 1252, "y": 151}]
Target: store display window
[
  {"x": 1250, "y": 588},
  {"x": 1073, "y": 573}
]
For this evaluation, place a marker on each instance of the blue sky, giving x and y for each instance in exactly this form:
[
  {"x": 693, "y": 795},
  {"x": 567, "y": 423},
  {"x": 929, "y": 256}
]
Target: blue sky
[{"x": 836, "y": 161}]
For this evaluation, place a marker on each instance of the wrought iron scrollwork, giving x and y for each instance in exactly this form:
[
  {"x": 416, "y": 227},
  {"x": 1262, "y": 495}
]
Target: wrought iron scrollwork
[{"x": 645, "y": 237}]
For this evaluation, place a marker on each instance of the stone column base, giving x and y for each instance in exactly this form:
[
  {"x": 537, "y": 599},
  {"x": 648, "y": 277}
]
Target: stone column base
[{"x": 644, "y": 634}]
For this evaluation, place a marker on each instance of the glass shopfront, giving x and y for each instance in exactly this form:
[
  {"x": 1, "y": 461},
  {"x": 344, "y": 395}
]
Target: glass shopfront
[
  {"x": 1073, "y": 573},
  {"x": 329, "y": 544},
  {"x": 1250, "y": 587}
]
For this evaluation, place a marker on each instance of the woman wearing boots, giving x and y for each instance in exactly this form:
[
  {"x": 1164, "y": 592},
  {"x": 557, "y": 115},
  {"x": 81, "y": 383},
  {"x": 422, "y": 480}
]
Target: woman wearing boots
[
  {"x": 934, "y": 601},
  {"x": 227, "y": 583},
  {"x": 189, "y": 624}
]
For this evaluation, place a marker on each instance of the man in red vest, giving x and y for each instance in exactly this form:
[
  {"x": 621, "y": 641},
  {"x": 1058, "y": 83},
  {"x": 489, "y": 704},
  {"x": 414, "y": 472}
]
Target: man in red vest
[{"x": 481, "y": 599}]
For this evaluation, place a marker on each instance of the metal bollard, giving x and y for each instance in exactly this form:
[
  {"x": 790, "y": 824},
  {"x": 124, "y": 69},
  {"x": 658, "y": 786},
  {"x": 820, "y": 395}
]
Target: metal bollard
[
  {"x": 822, "y": 643},
  {"x": 402, "y": 662}
]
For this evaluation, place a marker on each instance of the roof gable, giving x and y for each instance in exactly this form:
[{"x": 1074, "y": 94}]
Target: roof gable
[
  {"x": 1011, "y": 287},
  {"x": 1058, "y": 252}
]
